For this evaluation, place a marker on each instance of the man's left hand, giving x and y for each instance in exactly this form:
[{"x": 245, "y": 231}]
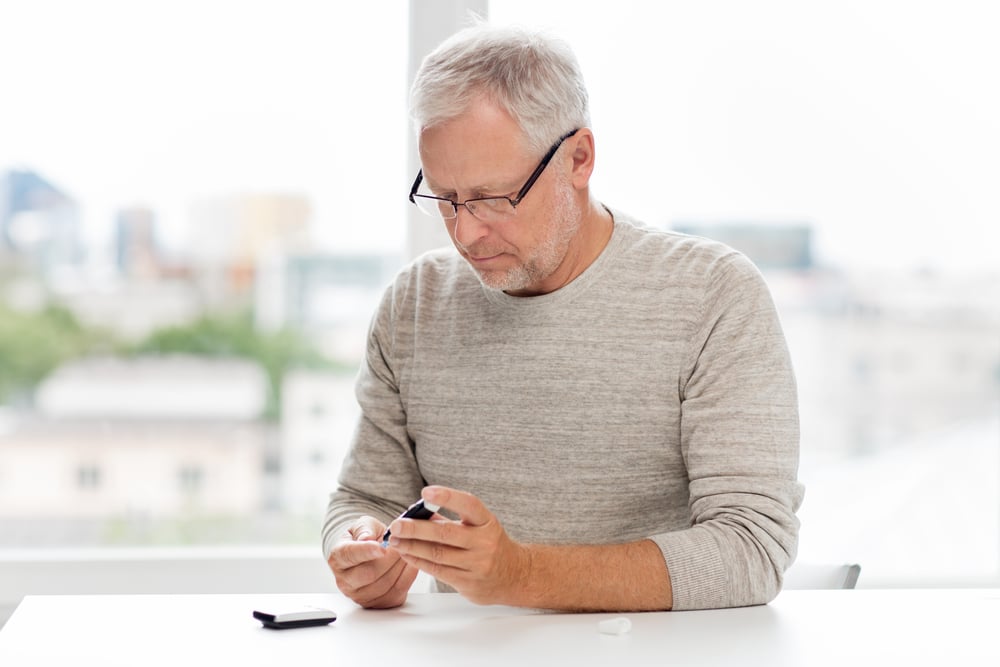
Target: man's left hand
[{"x": 473, "y": 554}]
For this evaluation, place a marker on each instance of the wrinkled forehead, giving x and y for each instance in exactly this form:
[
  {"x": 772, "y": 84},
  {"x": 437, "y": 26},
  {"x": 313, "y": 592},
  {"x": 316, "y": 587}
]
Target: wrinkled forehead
[{"x": 481, "y": 148}]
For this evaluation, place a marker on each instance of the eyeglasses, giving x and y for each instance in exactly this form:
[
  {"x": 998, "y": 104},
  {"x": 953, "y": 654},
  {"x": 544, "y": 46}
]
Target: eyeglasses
[{"x": 487, "y": 209}]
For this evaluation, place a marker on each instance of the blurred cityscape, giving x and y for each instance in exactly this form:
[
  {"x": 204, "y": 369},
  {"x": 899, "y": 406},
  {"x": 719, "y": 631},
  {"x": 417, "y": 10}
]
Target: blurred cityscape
[
  {"x": 174, "y": 398},
  {"x": 206, "y": 395}
]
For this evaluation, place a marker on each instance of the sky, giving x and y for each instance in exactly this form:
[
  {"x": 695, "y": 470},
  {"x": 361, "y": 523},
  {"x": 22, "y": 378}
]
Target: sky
[
  {"x": 877, "y": 122},
  {"x": 161, "y": 103}
]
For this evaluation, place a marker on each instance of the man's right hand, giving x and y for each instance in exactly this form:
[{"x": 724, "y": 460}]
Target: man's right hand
[{"x": 373, "y": 577}]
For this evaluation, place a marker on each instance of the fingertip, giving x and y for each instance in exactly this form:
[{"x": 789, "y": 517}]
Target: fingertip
[
  {"x": 438, "y": 495},
  {"x": 368, "y": 551}
]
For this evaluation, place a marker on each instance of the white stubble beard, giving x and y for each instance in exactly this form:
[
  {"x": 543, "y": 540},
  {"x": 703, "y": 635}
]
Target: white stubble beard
[{"x": 550, "y": 254}]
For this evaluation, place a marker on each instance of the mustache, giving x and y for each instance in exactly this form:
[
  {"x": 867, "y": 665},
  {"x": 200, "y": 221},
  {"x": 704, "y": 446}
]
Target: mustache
[{"x": 481, "y": 249}]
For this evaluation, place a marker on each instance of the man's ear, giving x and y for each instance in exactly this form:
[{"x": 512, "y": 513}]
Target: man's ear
[{"x": 582, "y": 154}]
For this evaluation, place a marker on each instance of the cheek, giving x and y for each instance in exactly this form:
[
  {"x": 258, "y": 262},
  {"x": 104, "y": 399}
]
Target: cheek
[
  {"x": 551, "y": 220},
  {"x": 522, "y": 237}
]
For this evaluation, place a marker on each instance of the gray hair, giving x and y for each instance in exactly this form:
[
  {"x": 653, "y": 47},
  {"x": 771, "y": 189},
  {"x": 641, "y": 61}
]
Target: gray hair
[{"x": 532, "y": 76}]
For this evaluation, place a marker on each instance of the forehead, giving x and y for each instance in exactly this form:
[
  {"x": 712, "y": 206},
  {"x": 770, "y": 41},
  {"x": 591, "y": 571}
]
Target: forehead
[{"x": 483, "y": 147}]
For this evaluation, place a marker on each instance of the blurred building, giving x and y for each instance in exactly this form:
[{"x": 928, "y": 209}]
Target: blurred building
[
  {"x": 319, "y": 415},
  {"x": 39, "y": 223},
  {"x": 881, "y": 358},
  {"x": 231, "y": 234},
  {"x": 329, "y": 297},
  {"x": 769, "y": 246},
  {"x": 144, "y": 438},
  {"x": 136, "y": 254},
  {"x": 134, "y": 309},
  {"x": 144, "y": 293}
]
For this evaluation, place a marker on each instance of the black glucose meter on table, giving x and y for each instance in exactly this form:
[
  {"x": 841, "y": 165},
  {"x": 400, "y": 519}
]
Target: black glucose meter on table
[{"x": 297, "y": 618}]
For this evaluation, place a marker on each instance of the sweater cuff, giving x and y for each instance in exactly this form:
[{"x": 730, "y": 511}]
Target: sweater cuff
[{"x": 697, "y": 575}]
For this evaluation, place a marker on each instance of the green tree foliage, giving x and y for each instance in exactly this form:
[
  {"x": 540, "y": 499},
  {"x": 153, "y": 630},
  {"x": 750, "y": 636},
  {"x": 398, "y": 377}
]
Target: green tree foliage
[
  {"x": 234, "y": 335},
  {"x": 32, "y": 344}
]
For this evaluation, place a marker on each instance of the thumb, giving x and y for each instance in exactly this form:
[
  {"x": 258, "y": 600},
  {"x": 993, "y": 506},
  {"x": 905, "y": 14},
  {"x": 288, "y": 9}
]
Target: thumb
[{"x": 366, "y": 528}]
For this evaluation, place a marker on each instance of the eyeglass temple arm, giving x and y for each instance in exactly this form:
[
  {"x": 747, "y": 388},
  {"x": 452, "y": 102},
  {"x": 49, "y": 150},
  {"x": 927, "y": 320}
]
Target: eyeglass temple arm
[
  {"x": 416, "y": 184},
  {"x": 541, "y": 167}
]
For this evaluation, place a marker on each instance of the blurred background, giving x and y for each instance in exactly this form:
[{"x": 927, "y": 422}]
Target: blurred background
[{"x": 200, "y": 203}]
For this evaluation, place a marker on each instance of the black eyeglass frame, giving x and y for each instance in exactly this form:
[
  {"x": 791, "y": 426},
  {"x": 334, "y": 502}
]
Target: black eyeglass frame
[{"x": 513, "y": 202}]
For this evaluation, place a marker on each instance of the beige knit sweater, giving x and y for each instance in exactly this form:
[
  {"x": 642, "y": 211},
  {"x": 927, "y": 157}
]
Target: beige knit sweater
[{"x": 651, "y": 397}]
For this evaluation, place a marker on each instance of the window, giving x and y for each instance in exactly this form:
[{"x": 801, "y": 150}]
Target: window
[
  {"x": 188, "y": 261},
  {"x": 194, "y": 188},
  {"x": 88, "y": 478},
  {"x": 191, "y": 479}
]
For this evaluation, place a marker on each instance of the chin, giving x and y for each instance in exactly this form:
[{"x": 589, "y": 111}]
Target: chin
[{"x": 505, "y": 281}]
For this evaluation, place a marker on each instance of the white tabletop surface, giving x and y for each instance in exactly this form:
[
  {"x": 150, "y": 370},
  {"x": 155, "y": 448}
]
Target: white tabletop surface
[{"x": 859, "y": 627}]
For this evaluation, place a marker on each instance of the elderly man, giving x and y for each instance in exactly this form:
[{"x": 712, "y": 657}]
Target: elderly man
[{"x": 604, "y": 412}]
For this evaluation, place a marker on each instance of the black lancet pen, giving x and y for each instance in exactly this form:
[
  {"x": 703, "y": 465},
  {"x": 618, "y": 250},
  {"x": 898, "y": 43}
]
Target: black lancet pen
[{"x": 418, "y": 510}]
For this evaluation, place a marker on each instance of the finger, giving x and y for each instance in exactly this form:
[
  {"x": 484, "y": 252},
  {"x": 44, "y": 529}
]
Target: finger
[
  {"x": 359, "y": 577},
  {"x": 467, "y": 506},
  {"x": 387, "y": 590},
  {"x": 452, "y": 576},
  {"x": 431, "y": 551},
  {"x": 350, "y": 554},
  {"x": 438, "y": 530}
]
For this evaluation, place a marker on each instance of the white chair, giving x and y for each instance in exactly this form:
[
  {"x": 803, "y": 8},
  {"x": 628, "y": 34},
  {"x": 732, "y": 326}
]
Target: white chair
[{"x": 804, "y": 576}]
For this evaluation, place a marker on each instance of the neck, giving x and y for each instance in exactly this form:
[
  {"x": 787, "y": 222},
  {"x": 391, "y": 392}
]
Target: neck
[{"x": 587, "y": 245}]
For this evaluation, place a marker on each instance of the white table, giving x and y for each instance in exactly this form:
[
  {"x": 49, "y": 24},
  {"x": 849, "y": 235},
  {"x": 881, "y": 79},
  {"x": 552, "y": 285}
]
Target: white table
[{"x": 859, "y": 627}]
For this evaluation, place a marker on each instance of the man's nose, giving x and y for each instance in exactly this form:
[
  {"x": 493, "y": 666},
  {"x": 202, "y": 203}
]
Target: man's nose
[{"x": 468, "y": 228}]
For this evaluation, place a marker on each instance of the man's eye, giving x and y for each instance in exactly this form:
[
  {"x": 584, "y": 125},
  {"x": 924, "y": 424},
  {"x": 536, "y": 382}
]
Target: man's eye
[{"x": 495, "y": 203}]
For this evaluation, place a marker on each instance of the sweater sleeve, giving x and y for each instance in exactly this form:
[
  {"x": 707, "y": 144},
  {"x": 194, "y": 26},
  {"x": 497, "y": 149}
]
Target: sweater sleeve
[
  {"x": 740, "y": 443},
  {"x": 379, "y": 476}
]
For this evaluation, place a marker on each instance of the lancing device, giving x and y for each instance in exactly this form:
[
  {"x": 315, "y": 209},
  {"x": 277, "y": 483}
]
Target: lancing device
[{"x": 418, "y": 510}]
